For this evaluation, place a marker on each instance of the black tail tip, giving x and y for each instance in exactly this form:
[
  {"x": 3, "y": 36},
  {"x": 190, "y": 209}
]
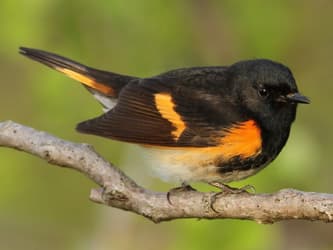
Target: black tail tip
[
  {"x": 24, "y": 50},
  {"x": 27, "y": 51}
]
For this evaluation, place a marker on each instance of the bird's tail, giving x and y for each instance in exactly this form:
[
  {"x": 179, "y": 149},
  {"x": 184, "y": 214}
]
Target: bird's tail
[{"x": 104, "y": 83}]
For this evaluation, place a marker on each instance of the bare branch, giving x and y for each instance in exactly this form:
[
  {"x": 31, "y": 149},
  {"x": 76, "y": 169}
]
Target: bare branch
[{"x": 118, "y": 190}]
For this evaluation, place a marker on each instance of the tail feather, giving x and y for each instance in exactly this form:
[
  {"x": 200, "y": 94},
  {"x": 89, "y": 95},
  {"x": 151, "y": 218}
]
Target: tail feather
[{"x": 103, "y": 82}]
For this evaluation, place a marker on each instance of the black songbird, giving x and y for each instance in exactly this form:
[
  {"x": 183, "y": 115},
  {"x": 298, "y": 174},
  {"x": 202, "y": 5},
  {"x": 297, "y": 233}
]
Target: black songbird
[{"x": 208, "y": 124}]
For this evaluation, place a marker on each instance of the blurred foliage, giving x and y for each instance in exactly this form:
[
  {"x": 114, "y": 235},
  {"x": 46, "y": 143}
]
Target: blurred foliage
[{"x": 43, "y": 207}]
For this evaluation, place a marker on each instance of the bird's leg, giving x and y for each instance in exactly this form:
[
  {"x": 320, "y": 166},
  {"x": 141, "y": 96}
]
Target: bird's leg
[
  {"x": 183, "y": 188},
  {"x": 225, "y": 189},
  {"x": 232, "y": 190}
]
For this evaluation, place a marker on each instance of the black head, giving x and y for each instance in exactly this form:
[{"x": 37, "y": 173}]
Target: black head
[{"x": 267, "y": 91}]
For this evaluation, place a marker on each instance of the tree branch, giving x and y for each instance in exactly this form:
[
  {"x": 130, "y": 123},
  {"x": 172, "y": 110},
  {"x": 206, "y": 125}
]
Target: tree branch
[{"x": 118, "y": 190}]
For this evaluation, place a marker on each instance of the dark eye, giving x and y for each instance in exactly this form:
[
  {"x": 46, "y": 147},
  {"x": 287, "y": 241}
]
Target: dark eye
[{"x": 263, "y": 92}]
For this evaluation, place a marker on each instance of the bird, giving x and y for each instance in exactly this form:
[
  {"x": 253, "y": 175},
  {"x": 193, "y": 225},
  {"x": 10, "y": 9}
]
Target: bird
[{"x": 211, "y": 124}]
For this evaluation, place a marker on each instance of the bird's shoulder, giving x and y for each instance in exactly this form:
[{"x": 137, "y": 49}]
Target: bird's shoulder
[
  {"x": 194, "y": 76},
  {"x": 195, "y": 83}
]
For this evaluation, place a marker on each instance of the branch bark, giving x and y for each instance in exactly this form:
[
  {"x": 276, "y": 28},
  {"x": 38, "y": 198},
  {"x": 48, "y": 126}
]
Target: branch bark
[{"x": 118, "y": 190}]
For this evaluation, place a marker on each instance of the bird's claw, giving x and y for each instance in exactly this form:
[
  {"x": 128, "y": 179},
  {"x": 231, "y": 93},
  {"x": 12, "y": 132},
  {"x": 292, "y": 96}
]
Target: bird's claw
[
  {"x": 225, "y": 189},
  {"x": 183, "y": 188}
]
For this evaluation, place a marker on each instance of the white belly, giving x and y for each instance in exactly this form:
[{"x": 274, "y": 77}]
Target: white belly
[{"x": 178, "y": 165}]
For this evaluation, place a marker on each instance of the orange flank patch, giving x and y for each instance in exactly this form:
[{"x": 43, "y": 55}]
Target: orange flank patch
[
  {"x": 166, "y": 108},
  {"x": 242, "y": 140},
  {"x": 90, "y": 82}
]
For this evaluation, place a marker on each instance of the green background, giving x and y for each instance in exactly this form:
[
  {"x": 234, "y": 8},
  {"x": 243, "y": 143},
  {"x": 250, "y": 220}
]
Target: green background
[{"x": 44, "y": 207}]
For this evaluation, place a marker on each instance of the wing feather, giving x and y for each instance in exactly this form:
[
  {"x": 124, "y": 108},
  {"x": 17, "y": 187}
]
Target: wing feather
[{"x": 154, "y": 113}]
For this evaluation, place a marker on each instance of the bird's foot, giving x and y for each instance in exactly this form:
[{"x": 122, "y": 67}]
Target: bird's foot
[
  {"x": 225, "y": 189},
  {"x": 183, "y": 188}
]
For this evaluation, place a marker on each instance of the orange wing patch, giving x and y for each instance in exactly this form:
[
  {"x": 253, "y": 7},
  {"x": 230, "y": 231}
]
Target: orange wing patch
[
  {"x": 243, "y": 140},
  {"x": 87, "y": 81},
  {"x": 166, "y": 108}
]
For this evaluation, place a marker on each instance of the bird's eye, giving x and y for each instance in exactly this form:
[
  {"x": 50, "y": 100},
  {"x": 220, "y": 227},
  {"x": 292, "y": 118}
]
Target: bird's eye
[{"x": 263, "y": 92}]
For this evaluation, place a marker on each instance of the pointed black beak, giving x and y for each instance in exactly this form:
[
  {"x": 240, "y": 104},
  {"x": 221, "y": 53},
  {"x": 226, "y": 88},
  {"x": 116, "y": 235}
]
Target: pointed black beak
[{"x": 297, "y": 98}]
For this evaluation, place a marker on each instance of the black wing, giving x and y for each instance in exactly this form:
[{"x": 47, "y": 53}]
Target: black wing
[{"x": 160, "y": 112}]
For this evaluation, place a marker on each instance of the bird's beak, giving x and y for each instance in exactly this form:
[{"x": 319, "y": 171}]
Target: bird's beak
[{"x": 297, "y": 98}]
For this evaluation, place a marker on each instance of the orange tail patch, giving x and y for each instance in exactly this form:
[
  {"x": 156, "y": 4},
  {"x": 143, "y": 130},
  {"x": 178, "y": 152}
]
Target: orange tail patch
[{"x": 90, "y": 82}]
